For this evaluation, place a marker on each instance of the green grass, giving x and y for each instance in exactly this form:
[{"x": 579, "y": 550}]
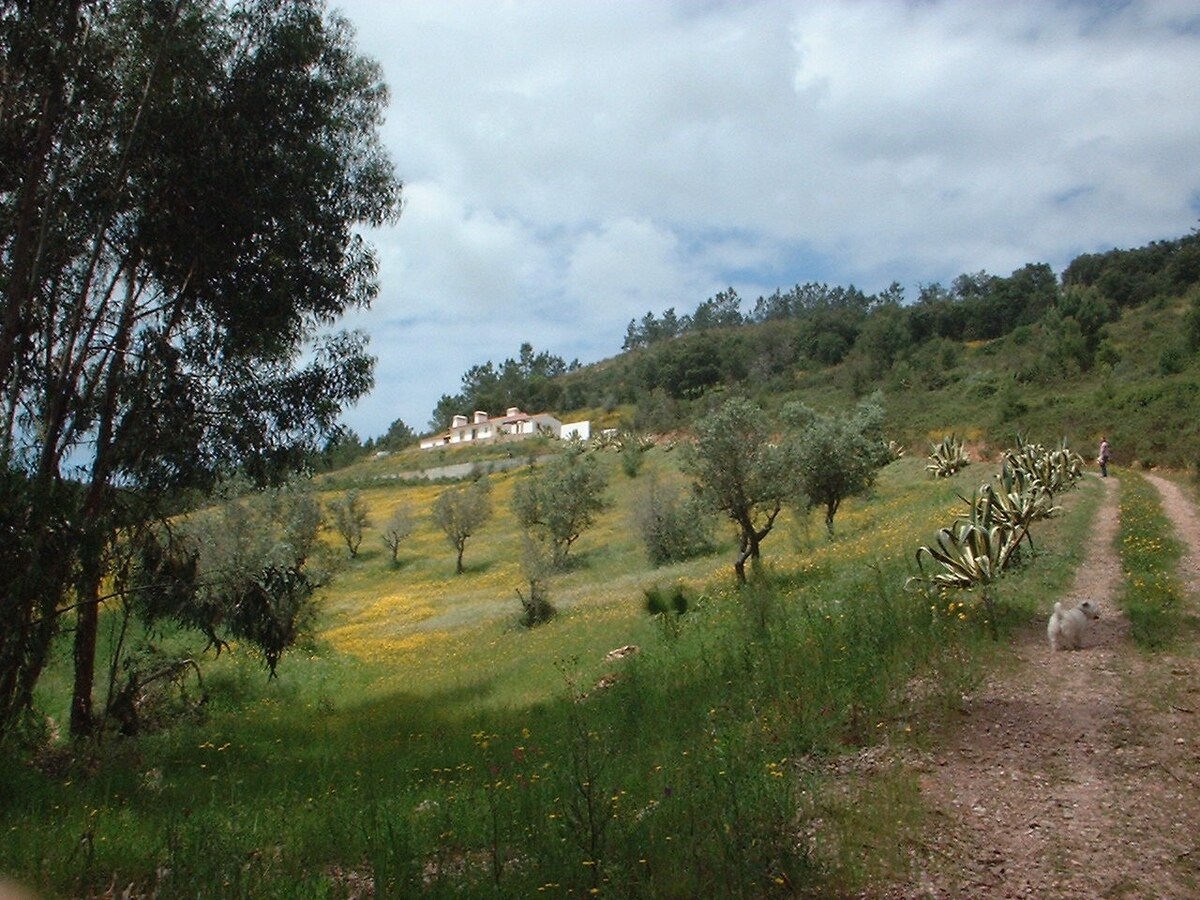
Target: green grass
[
  {"x": 426, "y": 744},
  {"x": 1150, "y": 554}
]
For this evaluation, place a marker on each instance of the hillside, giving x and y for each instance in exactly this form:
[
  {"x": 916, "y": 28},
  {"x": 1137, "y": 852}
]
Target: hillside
[
  {"x": 426, "y": 741},
  {"x": 1108, "y": 346},
  {"x": 818, "y": 732}
]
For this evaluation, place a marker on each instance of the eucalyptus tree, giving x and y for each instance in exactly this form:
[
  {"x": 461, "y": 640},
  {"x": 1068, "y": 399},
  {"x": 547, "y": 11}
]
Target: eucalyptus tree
[{"x": 181, "y": 185}]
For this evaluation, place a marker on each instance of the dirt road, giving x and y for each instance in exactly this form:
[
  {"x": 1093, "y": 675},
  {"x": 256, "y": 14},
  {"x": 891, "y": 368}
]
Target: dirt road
[{"x": 1076, "y": 774}]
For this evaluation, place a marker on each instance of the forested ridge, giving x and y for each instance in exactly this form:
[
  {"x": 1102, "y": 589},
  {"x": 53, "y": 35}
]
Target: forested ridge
[{"x": 1115, "y": 331}]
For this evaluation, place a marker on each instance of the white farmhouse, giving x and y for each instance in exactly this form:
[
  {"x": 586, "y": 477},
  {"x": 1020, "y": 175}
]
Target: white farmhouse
[{"x": 513, "y": 425}]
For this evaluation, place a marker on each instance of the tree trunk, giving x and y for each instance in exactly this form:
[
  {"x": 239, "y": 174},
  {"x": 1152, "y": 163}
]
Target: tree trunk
[
  {"x": 87, "y": 626},
  {"x": 93, "y": 551},
  {"x": 747, "y": 550}
]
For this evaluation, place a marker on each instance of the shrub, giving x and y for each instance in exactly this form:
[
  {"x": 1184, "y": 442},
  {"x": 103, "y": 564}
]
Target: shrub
[
  {"x": 661, "y": 601},
  {"x": 673, "y": 525},
  {"x": 1170, "y": 361}
]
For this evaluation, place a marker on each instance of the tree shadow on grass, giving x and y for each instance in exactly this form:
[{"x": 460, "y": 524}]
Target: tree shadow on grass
[{"x": 477, "y": 568}]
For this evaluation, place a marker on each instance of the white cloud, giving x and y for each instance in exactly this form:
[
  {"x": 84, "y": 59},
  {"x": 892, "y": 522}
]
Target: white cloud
[{"x": 569, "y": 166}]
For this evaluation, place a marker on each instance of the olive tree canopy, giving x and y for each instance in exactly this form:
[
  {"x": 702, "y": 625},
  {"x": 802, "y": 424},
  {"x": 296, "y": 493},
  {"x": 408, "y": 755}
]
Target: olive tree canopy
[
  {"x": 742, "y": 470},
  {"x": 837, "y": 454}
]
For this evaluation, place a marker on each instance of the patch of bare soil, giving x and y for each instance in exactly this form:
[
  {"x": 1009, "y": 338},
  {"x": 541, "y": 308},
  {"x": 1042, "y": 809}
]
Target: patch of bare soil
[{"x": 1074, "y": 774}]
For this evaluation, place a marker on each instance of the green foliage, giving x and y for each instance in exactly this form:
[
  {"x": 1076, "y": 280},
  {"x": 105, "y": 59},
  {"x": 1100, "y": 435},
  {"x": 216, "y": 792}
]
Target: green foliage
[
  {"x": 343, "y": 448},
  {"x": 537, "y": 563},
  {"x": 1153, "y": 598},
  {"x": 1011, "y": 340},
  {"x": 947, "y": 457},
  {"x": 674, "y": 525},
  {"x": 740, "y": 470},
  {"x": 969, "y": 553},
  {"x": 398, "y": 437},
  {"x": 1011, "y": 403},
  {"x": 460, "y": 512},
  {"x": 531, "y": 381},
  {"x": 243, "y": 570},
  {"x": 40, "y": 527},
  {"x": 837, "y": 455},
  {"x": 982, "y": 544},
  {"x": 1031, "y": 467},
  {"x": 1134, "y": 277},
  {"x": 397, "y": 529},
  {"x": 459, "y": 769},
  {"x": 1192, "y": 321},
  {"x": 1171, "y": 361},
  {"x": 666, "y": 601},
  {"x": 633, "y": 447},
  {"x": 172, "y": 289},
  {"x": 560, "y": 499}
]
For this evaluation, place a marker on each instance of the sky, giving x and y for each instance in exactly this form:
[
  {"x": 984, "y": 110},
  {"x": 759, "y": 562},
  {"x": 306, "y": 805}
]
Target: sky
[{"x": 570, "y": 165}]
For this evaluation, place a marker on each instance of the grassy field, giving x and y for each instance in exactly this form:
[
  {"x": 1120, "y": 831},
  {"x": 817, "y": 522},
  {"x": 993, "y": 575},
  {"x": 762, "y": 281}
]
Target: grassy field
[{"x": 426, "y": 743}]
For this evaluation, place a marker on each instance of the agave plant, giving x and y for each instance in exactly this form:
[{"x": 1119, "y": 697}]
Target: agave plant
[
  {"x": 1013, "y": 499},
  {"x": 969, "y": 554},
  {"x": 1057, "y": 469},
  {"x": 947, "y": 457}
]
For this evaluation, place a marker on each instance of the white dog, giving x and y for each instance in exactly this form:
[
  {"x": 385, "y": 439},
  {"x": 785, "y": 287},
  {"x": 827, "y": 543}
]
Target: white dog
[{"x": 1066, "y": 626}]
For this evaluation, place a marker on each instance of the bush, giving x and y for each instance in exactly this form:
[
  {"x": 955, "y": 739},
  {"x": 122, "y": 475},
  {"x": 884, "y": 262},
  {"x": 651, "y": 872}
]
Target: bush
[
  {"x": 673, "y": 525},
  {"x": 660, "y": 601},
  {"x": 1171, "y": 361}
]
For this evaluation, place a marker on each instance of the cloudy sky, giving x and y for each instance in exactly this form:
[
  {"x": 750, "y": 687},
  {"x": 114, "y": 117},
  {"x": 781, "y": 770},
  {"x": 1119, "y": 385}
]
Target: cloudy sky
[{"x": 572, "y": 164}]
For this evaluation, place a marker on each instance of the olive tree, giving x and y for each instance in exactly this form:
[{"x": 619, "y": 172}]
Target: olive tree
[
  {"x": 838, "y": 454},
  {"x": 397, "y": 529},
  {"x": 460, "y": 512},
  {"x": 182, "y": 190},
  {"x": 348, "y": 515},
  {"x": 741, "y": 469},
  {"x": 244, "y": 568},
  {"x": 560, "y": 499}
]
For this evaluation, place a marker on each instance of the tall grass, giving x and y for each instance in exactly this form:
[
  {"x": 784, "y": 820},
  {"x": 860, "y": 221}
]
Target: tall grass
[{"x": 421, "y": 749}]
